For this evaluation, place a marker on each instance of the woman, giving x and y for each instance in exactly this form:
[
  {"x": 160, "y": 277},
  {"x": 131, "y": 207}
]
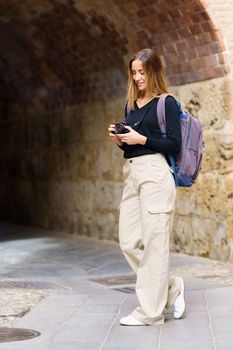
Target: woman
[{"x": 148, "y": 198}]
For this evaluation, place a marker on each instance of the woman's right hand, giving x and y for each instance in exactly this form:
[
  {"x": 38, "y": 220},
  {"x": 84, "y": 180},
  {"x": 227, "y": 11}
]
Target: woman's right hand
[{"x": 114, "y": 136}]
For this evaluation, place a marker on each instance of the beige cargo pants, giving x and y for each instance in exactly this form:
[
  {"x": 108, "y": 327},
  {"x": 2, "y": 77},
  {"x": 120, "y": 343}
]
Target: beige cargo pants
[{"x": 145, "y": 222}]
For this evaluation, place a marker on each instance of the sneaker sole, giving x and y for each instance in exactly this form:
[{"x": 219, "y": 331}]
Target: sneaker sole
[{"x": 183, "y": 294}]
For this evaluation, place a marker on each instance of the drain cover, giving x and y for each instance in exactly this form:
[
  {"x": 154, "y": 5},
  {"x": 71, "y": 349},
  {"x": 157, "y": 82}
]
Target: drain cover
[
  {"x": 128, "y": 290},
  {"x": 16, "y": 334},
  {"x": 29, "y": 285},
  {"x": 115, "y": 280}
]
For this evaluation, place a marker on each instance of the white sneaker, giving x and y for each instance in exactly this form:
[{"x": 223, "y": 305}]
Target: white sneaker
[
  {"x": 131, "y": 321},
  {"x": 179, "y": 305}
]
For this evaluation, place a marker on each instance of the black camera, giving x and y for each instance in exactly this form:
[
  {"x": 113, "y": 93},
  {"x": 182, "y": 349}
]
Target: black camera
[{"x": 120, "y": 128}]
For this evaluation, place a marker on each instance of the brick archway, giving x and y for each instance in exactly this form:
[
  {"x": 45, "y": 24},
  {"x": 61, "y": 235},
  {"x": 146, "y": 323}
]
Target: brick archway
[{"x": 58, "y": 53}]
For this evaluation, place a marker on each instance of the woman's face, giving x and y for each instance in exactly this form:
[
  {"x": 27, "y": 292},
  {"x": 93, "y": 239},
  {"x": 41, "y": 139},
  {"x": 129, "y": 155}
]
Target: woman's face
[{"x": 139, "y": 75}]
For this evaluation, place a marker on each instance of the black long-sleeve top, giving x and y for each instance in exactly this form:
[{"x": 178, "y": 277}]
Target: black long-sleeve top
[{"x": 149, "y": 127}]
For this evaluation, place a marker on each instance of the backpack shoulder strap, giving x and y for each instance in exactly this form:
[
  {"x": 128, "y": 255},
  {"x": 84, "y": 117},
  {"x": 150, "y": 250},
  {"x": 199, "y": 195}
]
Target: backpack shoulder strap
[{"x": 161, "y": 113}]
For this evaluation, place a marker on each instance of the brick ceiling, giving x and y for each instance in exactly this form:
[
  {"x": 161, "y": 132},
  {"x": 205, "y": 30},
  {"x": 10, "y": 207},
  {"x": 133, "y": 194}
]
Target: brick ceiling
[{"x": 59, "y": 53}]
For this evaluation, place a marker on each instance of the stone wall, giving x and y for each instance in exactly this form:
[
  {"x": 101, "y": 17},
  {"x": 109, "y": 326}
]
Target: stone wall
[
  {"x": 203, "y": 222},
  {"x": 62, "y": 172},
  {"x": 63, "y": 80},
  {"x": 69, "y": 178}
]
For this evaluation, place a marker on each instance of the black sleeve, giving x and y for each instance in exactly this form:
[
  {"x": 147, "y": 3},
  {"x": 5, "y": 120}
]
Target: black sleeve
[{"x": 172, "y": 143}]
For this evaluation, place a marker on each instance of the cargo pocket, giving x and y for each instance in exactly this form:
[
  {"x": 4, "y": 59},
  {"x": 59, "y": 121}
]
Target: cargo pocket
[
  {"x": 161, "y": 218},
  {"x": 158, "y": 209}
]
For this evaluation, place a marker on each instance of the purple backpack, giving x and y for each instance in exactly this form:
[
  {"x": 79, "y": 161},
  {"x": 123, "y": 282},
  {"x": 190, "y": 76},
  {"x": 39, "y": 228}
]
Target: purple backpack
[{"x": 187, "y": 163}]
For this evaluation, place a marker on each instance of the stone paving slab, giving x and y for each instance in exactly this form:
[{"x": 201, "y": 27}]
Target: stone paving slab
[
  {"x": 84, "y": 314},
  {"x": 191, "y": 345}
]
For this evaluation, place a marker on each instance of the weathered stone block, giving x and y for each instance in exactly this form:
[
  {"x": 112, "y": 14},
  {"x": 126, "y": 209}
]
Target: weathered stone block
[
  {"x": 107, "y": 195},
  {"x": 106, "y": 225},
  {"x": 182, "y": 237}
]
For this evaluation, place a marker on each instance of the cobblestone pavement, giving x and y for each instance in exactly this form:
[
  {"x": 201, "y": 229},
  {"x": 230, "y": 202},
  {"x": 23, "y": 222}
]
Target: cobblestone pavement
[{"x": 74, "y": 289}]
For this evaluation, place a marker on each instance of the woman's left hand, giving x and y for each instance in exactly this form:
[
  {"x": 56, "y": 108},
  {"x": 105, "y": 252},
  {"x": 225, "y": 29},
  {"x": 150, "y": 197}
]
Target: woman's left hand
[{"x": 132, "y": 137}]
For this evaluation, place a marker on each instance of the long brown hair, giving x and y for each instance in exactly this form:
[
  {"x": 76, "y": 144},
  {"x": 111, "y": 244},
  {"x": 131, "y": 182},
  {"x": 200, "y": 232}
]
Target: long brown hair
[{"x": 154, "y": 72}]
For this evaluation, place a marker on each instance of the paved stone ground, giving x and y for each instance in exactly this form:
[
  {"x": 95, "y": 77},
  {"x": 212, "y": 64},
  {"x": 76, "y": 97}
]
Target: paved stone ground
[{"x": 48, "y": 283}]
